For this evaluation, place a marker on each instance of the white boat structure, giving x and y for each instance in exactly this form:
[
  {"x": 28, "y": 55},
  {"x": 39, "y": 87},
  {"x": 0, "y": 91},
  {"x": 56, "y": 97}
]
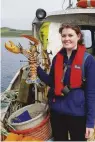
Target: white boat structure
[{"x": 84, "y": 17}]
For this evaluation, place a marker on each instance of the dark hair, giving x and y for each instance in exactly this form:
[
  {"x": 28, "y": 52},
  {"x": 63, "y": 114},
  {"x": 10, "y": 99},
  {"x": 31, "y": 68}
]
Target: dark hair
[{"x": 76, "y": 28}]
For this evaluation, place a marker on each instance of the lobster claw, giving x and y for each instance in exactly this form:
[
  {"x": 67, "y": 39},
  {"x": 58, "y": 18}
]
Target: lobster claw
[{"x": 12, "y": 47}]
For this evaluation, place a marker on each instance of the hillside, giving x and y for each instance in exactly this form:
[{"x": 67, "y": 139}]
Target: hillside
[{"x": 8, "y": 32}]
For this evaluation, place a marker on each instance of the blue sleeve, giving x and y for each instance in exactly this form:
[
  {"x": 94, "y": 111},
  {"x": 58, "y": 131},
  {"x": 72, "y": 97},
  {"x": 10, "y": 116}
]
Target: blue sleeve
[
  {"x": 48, "y": 79},
  {"x": 90, "y": 91}
]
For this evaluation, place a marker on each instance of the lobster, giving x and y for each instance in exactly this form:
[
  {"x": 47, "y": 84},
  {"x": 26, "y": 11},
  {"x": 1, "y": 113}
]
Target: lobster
[{"x": 28, "y": 54}]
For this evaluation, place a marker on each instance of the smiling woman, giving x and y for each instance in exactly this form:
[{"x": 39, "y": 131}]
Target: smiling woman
[
  {"x": 70, "y": 36},
  {"x": 66, "y": 85}
]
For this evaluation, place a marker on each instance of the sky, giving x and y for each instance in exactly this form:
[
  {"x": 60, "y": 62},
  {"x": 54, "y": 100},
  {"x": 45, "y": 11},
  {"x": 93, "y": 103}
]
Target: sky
[{"x": 20, "y": 13}]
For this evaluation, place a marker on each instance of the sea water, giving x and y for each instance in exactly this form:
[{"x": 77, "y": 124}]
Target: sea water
[{"x": 10, "y": 62}]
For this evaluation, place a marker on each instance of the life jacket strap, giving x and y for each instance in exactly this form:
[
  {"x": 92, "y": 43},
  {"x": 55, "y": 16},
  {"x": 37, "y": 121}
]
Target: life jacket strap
[{"x": 67, "y": 89}]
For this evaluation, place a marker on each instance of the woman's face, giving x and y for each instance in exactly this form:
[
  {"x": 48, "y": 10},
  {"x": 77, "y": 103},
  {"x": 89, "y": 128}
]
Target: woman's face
[{"x": 69, "y": 38}]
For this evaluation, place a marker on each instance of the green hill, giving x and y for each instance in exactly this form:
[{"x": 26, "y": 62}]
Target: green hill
[{"x": 8, "y": 32}]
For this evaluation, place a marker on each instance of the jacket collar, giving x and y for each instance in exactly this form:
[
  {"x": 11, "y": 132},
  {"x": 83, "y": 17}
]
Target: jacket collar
[{"x": 64, "y": 53}]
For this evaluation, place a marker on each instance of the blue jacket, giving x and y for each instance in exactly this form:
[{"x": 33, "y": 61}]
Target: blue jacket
[{"x": 78, "y": 102}]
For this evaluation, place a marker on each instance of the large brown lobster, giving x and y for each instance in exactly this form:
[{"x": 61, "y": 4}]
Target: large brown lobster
[{"x": 30, "y": 54}]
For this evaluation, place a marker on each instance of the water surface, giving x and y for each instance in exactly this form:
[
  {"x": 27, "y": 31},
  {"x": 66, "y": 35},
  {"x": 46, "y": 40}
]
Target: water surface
[{"x": 10, "y": 62}]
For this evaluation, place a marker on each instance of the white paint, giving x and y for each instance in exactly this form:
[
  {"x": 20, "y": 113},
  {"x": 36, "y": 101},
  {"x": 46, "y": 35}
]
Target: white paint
[{"x": 54, "y": 39}]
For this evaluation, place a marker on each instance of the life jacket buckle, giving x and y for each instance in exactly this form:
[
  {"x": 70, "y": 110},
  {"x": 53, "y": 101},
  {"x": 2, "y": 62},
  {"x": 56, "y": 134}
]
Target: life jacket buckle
[{"x": 66, "y": 90}]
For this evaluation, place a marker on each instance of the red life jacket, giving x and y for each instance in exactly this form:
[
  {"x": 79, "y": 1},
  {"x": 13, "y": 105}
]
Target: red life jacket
[{"x": 76, "y": 70}]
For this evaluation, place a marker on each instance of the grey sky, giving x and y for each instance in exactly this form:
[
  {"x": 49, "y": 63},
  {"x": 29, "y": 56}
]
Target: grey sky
[{"x": 20, "y": 13}]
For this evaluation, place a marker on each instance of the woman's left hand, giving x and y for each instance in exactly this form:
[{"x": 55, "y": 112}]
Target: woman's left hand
[{"x": 89, "y": 132}]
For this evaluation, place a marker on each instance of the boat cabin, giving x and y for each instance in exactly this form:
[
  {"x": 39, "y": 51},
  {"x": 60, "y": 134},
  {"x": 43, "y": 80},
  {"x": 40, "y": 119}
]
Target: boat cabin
[{"x": 84, "y": 17}]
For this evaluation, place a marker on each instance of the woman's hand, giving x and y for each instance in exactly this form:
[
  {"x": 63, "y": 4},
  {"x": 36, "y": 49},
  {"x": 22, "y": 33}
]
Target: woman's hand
[{"x": 89, "y": 132}]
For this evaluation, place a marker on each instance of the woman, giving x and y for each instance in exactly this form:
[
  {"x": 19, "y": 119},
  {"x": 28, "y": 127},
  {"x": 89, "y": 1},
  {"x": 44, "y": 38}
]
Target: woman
[{"x": 72, "y": 106}]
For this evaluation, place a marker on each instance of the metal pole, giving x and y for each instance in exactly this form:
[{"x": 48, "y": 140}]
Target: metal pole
[{"x": 36, "y": 93}]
